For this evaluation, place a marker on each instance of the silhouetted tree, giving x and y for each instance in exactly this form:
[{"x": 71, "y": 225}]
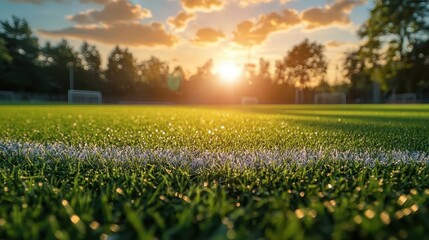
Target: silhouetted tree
[
  {"x": 205, "y": 71},
  {"x": 56, "y": 61},
  {"x": 360, "y": 82},
  {"x": 121, "y": 74},
  {"x": 5, "y": 58},
  {"x": 418, "y": 75},
  {"x": 259, "y": 82},
  {"x": 305, "y": 63},
  {"x": 282, "y": 89},
  {"x": 264, "y": 70},
  {"x": 201, "y": 85},
  {"x": 91, "y": 59},
  {"x": 391, "y": 32},
  {"x": 91, "y": 67},
  {"x": 20, "y": 70},
  {"x": 154, "y": 72},
  {"x": 280, "y": 72}
]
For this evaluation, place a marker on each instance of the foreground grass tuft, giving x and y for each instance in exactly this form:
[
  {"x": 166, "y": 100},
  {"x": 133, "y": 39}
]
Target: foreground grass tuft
[
  {"x": 45, "y": 195},
  {"x": 71, "y": 198}
]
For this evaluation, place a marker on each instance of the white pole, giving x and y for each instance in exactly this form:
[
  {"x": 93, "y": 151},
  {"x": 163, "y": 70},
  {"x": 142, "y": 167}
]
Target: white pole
[{"x": 71, "y": 74}]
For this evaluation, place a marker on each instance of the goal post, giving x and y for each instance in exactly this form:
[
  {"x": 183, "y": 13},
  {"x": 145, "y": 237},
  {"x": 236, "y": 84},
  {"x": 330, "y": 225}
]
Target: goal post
[
  {"x": 330, "y": 98},
  {"x": 84, "y": 97}
]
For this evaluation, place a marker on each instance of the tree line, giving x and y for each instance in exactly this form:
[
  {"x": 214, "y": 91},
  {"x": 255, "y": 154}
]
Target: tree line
[
  {"x": 25, "y": 66},
  {"x": 393, "y": 58},
  {"x": 394, "y": 55},
  {"x": 28, "y": 67}
]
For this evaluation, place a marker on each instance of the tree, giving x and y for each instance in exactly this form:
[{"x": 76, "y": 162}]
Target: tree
[
  {"x": 56, "y": 61},
  {"x": 205, "y": 71},
  {"x": 392, "y": 31},
  {"x": 399, "y": 23},
  {"x": 91, "y": 67},
  {"x": 258, "y": 82},
  {"x": 418, "y": 75},
  {"x": 203, "y": 75},
  {"x": 19, "y": 61},
  {"x": 280, "y": 72},
  {"x": 91, "y": 58},
  {"x": 201, "y": 87},
  {"x": 264, "y": 71},
  {"x": 60, "y": 55},
  {"x": 305, "y": 63},
  {"x": 20, "y": 41},
  {"x": 360, "y": 89},
  {"x": 154, "y": 72},
  {"x": 5, "y": 57},
  {"x": 121, "y": 73},
  {"x": 281, "y": 90},
  {"x": 5, "y": 60}
]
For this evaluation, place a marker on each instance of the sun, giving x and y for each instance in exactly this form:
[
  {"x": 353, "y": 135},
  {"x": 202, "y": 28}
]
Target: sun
[{"x": 228, "y": 72}]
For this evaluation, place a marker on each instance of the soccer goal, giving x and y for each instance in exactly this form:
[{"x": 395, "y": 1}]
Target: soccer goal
[
  {"x": 84, "y": 97},
  {"x": 249, "y": 100},
  {"x": 402, "y": 98},
  {"x": 330, "y": 98},
  {"x": 7, "y": 96}
]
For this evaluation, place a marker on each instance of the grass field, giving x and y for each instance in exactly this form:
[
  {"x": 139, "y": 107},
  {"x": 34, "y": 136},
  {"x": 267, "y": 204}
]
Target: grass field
[{"x": 260, "y": 172}]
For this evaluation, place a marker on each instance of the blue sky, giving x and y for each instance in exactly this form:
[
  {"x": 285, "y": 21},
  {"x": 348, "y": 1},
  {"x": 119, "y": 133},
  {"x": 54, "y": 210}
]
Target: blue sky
[{"x": 189, "y": 32}]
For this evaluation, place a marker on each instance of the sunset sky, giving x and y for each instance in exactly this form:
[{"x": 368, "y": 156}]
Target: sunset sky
[{"x": 189, "y": 32}]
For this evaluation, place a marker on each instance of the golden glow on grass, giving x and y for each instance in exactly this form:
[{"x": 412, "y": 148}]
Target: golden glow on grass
[{"x": 228, "y": 72}]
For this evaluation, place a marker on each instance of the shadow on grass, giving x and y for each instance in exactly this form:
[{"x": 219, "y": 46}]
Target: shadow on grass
[
  {"x": 387, "y": 127},
  {"x": 416, "y": 114}
]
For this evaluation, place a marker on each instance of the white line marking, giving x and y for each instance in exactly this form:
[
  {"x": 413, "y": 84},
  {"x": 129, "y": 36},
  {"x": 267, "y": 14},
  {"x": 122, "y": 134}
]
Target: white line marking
[{"x": 199, "y": 160}]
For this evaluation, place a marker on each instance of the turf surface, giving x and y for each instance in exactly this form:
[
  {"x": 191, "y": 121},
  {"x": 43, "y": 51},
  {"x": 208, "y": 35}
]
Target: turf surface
[
  {"x": 362, "y": 127},
  {"x": 367, "y": 178}
]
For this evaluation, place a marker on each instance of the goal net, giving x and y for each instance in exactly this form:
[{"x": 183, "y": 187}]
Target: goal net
[
  {"x": 249, "y": 100},
  {"x": 402, "y": 98},
  {"x": 84, "y": 97},
  {"x": 7, "y": 96},
  {"x": 330, "y": 98}
]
